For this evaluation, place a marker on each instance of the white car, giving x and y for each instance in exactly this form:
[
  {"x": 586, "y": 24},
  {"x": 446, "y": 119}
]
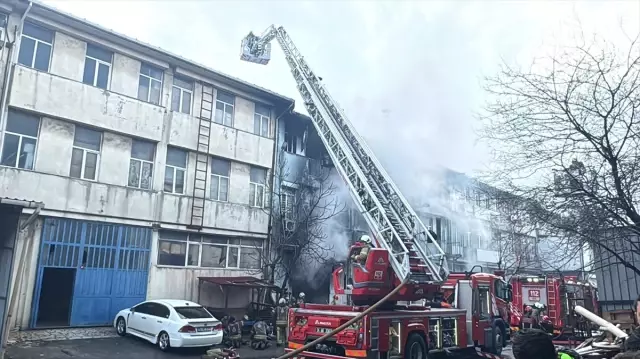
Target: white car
[{"x": 170, "y": 323}]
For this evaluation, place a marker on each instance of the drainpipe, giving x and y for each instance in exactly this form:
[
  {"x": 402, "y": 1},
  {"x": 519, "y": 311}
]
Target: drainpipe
[
  {"x": 273, "y": 170},
  {"x": 8, "y": 69}
]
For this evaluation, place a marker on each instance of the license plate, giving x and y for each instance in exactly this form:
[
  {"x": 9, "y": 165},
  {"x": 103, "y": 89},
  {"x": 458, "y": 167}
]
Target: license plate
[
  {"x": 323, "y": 330},
  {"x": 204, "y": 329}
]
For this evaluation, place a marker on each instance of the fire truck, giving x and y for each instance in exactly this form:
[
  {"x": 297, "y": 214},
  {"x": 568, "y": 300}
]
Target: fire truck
[
  {"x": 556, "y": 297},
  {"x": 406, "y": 264}
]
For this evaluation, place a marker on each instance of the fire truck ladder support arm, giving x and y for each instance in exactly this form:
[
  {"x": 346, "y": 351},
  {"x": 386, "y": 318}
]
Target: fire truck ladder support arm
[
  {"x": 413, "y": 252},
  {"x": 345, "y": 325}
]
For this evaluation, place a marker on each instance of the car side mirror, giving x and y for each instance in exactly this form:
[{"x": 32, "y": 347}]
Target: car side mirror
[{"x": 132, "y": 309}]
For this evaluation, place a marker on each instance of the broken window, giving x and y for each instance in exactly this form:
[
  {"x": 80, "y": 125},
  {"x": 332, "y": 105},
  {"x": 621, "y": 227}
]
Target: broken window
[
  {"x": 295, "y": 138},
  {"x": 175, "y": 169},
  {"x": 20, "y": 139},
  {"x": 97, "y": 66},
  {"x": 35, "y": 47},
  {"x": 141, "y": 164},
  {"x": 150, "y": 84},
  {"x": 181, "y": 95},
  {"x": 85, "y": 153}
]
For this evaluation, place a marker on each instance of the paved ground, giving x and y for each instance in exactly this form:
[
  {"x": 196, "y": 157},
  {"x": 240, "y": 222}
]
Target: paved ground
[{"x": 121, "y": 348}]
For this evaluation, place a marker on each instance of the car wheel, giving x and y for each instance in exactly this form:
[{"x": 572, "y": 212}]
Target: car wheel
[
  {"x": 163, "y": 341},
  {"x": 121, "y": 327}
]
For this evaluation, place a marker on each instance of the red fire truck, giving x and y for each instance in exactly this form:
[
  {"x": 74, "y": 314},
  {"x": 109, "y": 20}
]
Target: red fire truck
[
  {"x": 492, "y": 296},
  {"x": 556, "y": 298},
  {"x": 400, "y": 328}
]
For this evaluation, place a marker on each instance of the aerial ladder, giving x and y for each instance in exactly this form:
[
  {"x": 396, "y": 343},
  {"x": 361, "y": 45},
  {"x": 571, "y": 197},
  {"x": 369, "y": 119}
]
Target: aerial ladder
[{"x": 414, "y": 254}]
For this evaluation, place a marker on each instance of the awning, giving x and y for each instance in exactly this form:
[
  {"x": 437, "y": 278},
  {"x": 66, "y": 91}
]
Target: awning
[
  {"x": 21, "y": 202},
  {"x": 244, "y": 281}
]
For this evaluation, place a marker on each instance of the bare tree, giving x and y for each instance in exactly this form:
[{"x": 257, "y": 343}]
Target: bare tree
[
  {"x": 565, "y": 137},
  {"x": 303, "y": 201}
]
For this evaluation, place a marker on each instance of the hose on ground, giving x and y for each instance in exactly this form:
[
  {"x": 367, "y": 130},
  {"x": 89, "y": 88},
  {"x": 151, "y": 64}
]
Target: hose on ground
[{"x": 348, "y": 323}]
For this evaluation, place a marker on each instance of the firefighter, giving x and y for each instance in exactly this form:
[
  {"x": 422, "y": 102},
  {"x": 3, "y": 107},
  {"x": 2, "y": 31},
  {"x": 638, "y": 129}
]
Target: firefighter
[
  {"x": 282, "y": 321},
  {"x": 361, "y": 257},
  {"x": 300, "y": 299},
  {"x": 234, "y": 329},
  {"x": 528, "y": 320},
  {"x": 259, "y": 335},
  {"x": 334, "y": 301}
]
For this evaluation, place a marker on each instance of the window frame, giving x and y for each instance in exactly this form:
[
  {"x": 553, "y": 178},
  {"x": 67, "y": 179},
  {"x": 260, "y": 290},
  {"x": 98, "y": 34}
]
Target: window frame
[
  {"x": 182, "y": 90},
  {"x": 20, "y": 137},
  {"x": 97, "y": 67},
  {"x": 192, "y": 240},
  {"x": 175, "y": 169},
  {"x": 84, "y": 156},
  {"x": 36, "y": 45},
  {"x": 142, "y": 162},
  {"x": 259, "y": 117},
  {"x": 288, "y": 194},
  {"x": 225, "y": 104},
  {"x": 253, "y": 188},
  {"x": 161, "y": 80},
  {"x": 3, "y": 28},
  {"x": 218, "y": 178}
]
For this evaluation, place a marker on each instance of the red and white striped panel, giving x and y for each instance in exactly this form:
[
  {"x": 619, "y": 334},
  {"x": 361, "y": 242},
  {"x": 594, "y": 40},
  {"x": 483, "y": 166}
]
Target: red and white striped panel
[{"x": 486, "y": 355}]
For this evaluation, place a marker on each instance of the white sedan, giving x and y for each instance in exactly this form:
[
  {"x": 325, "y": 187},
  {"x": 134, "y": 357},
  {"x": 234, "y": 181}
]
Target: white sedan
[{"x": 170, "y": 323}]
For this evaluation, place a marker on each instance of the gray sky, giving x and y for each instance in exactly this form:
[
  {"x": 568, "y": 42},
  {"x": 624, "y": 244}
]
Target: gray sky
[{"x": 408, "y": 73}]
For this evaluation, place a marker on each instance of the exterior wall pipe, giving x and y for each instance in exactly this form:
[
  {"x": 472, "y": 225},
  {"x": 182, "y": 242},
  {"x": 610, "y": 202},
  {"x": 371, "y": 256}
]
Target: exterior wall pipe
[
  {"x": 276, "y": 154},
  {"x": 9, "y": 67}
]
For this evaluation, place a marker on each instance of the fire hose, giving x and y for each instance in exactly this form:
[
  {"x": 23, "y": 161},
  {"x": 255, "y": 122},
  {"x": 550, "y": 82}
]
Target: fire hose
[
  {"x": 348, "y": 323},
  {"x": 601, "y": 322}
]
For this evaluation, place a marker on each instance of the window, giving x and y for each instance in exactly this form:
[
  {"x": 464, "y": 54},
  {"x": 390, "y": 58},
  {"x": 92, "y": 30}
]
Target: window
[
  {"x": 85, "y": 154},
  {"x": 141, "y": 164},
  {"x": 144, "y": 308},
  {"x": 97, "y": 66},
  {"x": 174, "y": 173},
  {"x": 159, "y": 310},
  {"x": 261, "y": 120},
  {"x": 35, "y": 47},
  {"x": 150, "y": 84},
  {"x": 287, "y": 202},
  {"x": 181, "y": 95},
  {"x": 192, "y": 313},
  {"x": 501, "y": 290},
  {"x": 294, "y": 141},
  {"x": 224, "y": 108},
  {"x": 195, "y": 250},
  {"x": 3, "y": 25},
  {"x": 484, "y": 303},
  {"x": 257, "y": 181},
  {"x": 220, "y": 170},
  {"x": 20, "y": 139}
]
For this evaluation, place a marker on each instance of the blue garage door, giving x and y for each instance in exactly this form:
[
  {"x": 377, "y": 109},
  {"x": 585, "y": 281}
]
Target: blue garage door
[{"x": 111, "y": 262}]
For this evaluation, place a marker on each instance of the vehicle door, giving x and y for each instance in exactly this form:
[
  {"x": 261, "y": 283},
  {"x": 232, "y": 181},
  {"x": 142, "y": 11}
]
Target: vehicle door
[
  {"x": 158, "y": 319},
  {"x": 137, "y": 321},
  {"x": 482, "y": 312},
  {"x": 502, "y": 298}
]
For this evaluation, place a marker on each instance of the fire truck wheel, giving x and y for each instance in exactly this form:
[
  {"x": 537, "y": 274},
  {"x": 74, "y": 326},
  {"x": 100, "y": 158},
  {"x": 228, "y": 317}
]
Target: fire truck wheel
[
  {"x": 498, "y": 340},
  {"x": 416, "y": 348}
]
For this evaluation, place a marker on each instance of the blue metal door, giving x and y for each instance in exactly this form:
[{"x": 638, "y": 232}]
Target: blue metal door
[{"x": 111, "y": 261}]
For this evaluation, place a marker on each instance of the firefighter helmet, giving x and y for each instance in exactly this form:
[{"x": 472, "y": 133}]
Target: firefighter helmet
[
  {"x": 301, "y": 295},
  {"x": 282, "y": 302},
  {"x": 365, "y": 239}
]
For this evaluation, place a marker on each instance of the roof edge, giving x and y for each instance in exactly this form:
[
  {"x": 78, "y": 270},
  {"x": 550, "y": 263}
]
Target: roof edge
[{"x": 84, "y": 25}]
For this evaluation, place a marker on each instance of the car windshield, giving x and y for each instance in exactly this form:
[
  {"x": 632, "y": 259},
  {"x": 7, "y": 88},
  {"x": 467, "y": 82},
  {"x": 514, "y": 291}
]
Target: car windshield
[{"x": 192, "y": 312}]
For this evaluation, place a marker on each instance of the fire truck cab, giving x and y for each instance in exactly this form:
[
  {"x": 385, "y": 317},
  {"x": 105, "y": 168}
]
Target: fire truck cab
[
  {"x": 485, "y": 298},
  {"x": 554, "y": 299}
]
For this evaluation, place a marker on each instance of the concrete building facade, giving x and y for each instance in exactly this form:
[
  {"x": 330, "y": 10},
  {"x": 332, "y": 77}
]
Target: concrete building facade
[{"x": 151, "y": 169}]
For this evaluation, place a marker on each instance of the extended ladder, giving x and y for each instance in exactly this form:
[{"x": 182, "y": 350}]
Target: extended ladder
[
  {"x": 397, "y": 227},
  {"x": 202, "y": 158}
]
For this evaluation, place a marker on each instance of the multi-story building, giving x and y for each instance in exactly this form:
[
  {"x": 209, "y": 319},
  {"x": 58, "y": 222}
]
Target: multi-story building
[{"x": 148, "y": 170}]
